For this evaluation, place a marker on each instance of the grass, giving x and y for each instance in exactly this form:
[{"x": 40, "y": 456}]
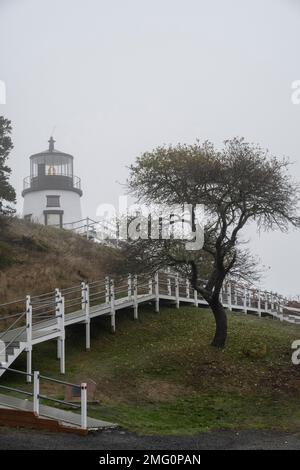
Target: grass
[{"x": 159, "y": 375}]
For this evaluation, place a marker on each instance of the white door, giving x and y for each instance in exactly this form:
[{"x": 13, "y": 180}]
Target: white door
[{"x": 53, "y": 219}]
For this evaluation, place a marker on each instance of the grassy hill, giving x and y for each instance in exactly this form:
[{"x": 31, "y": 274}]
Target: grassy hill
[
  {"x": 159, "y": 374},
  {"x": 36, "y": 259}
]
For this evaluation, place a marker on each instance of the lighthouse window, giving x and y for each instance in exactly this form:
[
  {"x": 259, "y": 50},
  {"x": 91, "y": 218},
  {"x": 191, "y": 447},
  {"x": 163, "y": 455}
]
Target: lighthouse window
[{"x": 53, "y": 201}]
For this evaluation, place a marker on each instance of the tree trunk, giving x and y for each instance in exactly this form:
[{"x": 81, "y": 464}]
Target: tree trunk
[{"x": 221, "y": 324}]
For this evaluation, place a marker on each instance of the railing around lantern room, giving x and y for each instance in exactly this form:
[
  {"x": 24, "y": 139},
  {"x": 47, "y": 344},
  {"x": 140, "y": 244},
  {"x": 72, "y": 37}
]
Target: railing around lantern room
[{"x": 57, "y": 181}]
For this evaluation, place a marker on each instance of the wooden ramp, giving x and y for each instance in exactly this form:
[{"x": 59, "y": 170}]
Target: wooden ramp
[
  {"x": 45, "y": 317},
  {"x": 17, "y": 412}
]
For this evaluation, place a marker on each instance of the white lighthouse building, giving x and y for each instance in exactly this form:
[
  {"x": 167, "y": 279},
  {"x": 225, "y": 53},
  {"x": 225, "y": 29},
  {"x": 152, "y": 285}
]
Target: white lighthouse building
[{"x": 52, "y": 193}]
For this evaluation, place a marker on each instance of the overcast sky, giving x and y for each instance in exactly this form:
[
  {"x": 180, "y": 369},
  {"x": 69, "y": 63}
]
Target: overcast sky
[{"x": 119, "y": 77}]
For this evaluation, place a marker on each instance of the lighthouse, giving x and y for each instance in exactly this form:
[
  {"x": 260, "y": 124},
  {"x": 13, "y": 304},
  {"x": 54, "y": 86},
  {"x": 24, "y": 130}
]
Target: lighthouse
[{"x": 52, "y": 192}]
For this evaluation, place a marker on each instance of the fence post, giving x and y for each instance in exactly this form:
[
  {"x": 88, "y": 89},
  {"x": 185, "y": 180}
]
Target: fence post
[
  {"x": 135, "y": 297},
  {"x": 229, "y": 302},
  {"x": 272, "y": 301},
  {"x": 281, "y": 303},
  {"x": 235, "y": 294},
  {"x": 83, "y": 393},
  {"x": 129, "y": 282},
  {"x": 112, "y": 307},
  {"x": 221, "y": 295},
  {"x": 169, "y": 285},
  {"x": 150, "y": 286},
  {"x": 266, "y": 301},
  {"x": 177, "y": 290},
  {"x": 36, "y": 393},
  {"x": 280, "y": 308},
  {"x": 60, "y": 314},
  {"x": 107, "y": 290},
  {"x": 87, "y": 228},
  {"x": 196, "y": 298},
  {"x": 187, "y": 288},
  {"x": 58, "y": 349},
  {"x": 28, "y": 338},
  {"x": 245, "y": 300},
  {"x": 63, "y": 336},
  {"x": 87, "y": 316},
  {"x": 82, "y": 285},
  {"x": 276, "y": 302},
  {"x": 259, "y": 303},
  {"x": 156, "y": 283}
]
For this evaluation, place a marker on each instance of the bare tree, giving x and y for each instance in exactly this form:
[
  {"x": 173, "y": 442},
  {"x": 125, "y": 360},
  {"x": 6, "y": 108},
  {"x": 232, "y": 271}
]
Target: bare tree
[{"x": 240, "y": 184}]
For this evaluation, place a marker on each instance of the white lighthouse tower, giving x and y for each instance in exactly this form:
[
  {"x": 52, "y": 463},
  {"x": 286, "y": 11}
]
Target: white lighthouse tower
[{"x": 52, "y": 193}]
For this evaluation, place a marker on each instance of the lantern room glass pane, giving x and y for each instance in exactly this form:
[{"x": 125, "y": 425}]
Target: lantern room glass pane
[{"x": 50, "y": 165}]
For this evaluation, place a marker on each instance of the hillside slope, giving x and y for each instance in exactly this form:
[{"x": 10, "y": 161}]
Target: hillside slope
[
  {"x": 36, "y": 259},
  {"x": 159, "y": 375}
]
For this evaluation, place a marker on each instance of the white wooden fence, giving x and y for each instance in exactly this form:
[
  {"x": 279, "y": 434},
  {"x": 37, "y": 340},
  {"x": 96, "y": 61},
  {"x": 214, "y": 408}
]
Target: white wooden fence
[{"x": 45, "y": 317}]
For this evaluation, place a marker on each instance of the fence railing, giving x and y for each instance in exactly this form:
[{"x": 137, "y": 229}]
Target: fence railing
[
  {"x": 45, "y": 316},
  {"x": 37, "y": 396},
  {"x": 93, "y": 230}
]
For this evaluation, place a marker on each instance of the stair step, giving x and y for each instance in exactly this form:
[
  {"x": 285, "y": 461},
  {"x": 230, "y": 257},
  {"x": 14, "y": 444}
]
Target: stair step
[{"x": 13, "y": 344}]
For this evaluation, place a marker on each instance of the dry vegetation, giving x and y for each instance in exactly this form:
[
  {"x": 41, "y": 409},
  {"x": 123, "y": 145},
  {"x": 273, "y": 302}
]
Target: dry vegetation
[{"x": 36, "y": 259}]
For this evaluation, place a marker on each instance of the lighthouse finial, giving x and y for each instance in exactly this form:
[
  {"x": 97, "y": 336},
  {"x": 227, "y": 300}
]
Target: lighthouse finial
[{"x": 51, "y": 144}]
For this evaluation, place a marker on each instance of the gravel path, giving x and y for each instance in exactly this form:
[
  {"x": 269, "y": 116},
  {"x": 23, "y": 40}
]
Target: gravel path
[{"x": 18, "y": 439}]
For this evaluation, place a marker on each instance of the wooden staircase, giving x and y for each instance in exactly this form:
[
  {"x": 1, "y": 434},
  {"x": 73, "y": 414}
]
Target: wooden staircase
[{"x": 11, "y": 351}]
